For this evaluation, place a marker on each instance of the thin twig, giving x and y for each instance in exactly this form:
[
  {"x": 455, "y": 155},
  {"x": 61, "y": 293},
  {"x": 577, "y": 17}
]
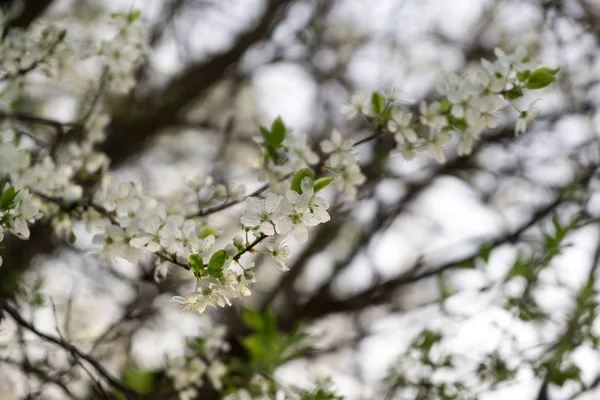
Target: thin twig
[{"x": 127, "y": 391}]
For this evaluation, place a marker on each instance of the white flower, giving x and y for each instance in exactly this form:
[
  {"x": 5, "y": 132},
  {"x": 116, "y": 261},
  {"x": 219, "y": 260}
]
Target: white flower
[
  {"x": 316, "y": 204},
  {"x": 161, "y": 271},
  {"x": 340, "y": 149},
  {"x": 348, "y": 178},
  {"x": 519, "y": 60},
  {"x": 149, "y": 236},
  {"x": 430, "y": 115},
  {"x": 246, "y": 280},
  {"x": 526, "y": 118},
  {"x": 26, "y": 211},
  {"x": 294, "y": 215},
  {"x": 186, "y": 373},
  {"x": 216, "y": 371},
  {"x": 298, "y": 151},
  {"x": 406, "y": 149},
  {"x": 401, "y": 125},
  {"x": 280, "y": 251},
  {"x": 195, "y": 302},
  {"x": 116, "y": 245},
  {"x": 356, "y": 105},
  {"x": 434, "y": 147},
  {"x": 259, "y": 213}
]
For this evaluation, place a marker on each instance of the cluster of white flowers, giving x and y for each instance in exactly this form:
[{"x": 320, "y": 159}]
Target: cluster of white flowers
[
  {"x": 207, "y": 194},
  {"x": 37, "y": 49},
  {"x": 188, "y": 372},
  {"x": 121, "y": 53},
  {"x": 297, "y": 154},
  {"x": 18, "y": 209},
  {"x": 294, "y": 212},
  {"x": 128, "y": 221},
  {"x": 343, "y": 163},
  {"x": 470, "y": 104}
]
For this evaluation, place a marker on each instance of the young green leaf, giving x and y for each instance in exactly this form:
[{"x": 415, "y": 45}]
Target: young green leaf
[
  {"x": 540, "y": 78},
  {"x": 134, "y": 15},
  {"x": 7, "y": 198},
  {"x": 196, "y": 264},
  {"x": 215, "y": 265},
  {"x": 253, "y": 319},
  {"x": 514, "y": 93},
  {"x": 445, "y": 106},
  {"x": 377, "y": 103},
  {"x": 322, "y": 183},
  {"x": 278, "y": 132},
  {"x": 299, "y": 176}
]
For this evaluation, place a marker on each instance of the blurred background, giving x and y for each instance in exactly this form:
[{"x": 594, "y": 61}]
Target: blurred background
[{"x": 426, "y": 246}]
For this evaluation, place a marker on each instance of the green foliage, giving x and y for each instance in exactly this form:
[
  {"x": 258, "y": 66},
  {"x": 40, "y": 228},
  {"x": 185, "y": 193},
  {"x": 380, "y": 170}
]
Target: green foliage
[
  {"x": 445, "y": 106},
  {"x": 31, "y": 293},
  {"x": 523, "y": 75},
  {"x": 514, "y": 93},
  {"x": 321, "y": 392},
  {"x": 322, "y": 183},
  {"x": 215, "y": 265},
  {"x": 133, "y": 16},
  {"x": 540, "y": 78},
  {"x": 425, "y": 342},
  {"x": 377, "y": 103},
  {"x": 485, "y": 251},
  {"x": 196, "y": 264},
  {"x": 72, "y": 238},
  {"x": 274, "y": 137},
  {"x": 267, "y": 346},
  {"x": 140, "y": 380},
  {"x": 457, "y": 123},
  {"x": 495, "y": 369},
  {"x": 296, "y": 184},
  {"x": 7, "y": 198}
]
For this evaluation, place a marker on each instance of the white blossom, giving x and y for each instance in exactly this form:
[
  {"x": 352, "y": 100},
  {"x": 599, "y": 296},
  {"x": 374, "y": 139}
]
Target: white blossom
[
  {"x": 348, "y": 178},
  {"x": 526, "y": 118},
  {"x": 280, "y": 251},
  {"x": 294, "y": 215},
  {"x": 338, "y": 148},
  {"x": 298, "y": 151},
  {"x": 358, "y": 102},
  {"x": 259, "y": 213}
]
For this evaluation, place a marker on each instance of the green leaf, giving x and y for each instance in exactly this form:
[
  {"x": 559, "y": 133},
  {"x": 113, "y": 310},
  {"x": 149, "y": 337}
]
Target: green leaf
[
  {"x": 485, "y": 252},
  {"x": 513, "y": 94},
  {"x": 468, "y": 264},
  {"x": 458, "y": 123},
  {"x": 61, "y": 35},
  {"x": 7, "y": 198},
  {"x": 522, "y": 76},
  {"x": 427, "y": 339},
  {"x": 265, "y": 133},
  {"x": 299, "y": 176},
  {"x": 139, "y": 380},
  {"x": 322, "y": 183},
  {"x": 445, "y": 106},
  {"x": 72, "y": 237},
  {"x": 377, "y": 103},
  {"x": 134, "y": 15},
  {"x": 253, "y": 319},
  {"x": 215, "y": 265},
  {"x": 521, "y": 267},
  {"x": 196, "y": 264},
  {"x": 278, "y": 132},
  {"x": 540, "y": 78}
]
